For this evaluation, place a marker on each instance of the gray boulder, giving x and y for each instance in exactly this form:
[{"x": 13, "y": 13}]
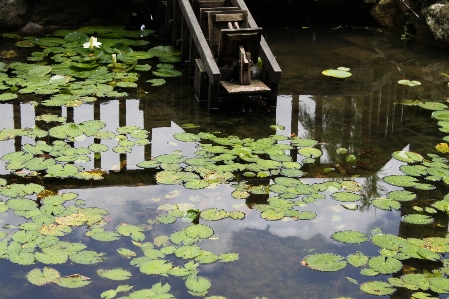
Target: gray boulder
[
  {"x": 437, "y": 19},
  {"x": 15, "y": 13}
]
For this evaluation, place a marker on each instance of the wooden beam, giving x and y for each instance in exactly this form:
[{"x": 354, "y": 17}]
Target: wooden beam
[
  {"x": 269, "y": 62},
  {"x": 200, "y": 41}
]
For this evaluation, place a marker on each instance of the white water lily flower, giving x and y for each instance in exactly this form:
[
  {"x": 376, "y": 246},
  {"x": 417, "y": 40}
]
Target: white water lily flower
[{"x": 92, "y": 43}]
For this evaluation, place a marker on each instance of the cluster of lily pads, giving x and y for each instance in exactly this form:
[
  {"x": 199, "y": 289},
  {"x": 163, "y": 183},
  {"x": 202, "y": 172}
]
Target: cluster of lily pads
[{"x": 78, "y": 64}]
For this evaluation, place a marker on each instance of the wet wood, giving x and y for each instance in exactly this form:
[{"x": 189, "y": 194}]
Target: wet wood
[
  {"x": 215, "y": 27},
  {"x": 200, "y": 42},
  {"x": 232, "y": 39},
  {"x": 234, "y": 87},
  {"x": 204, "y": 18}
]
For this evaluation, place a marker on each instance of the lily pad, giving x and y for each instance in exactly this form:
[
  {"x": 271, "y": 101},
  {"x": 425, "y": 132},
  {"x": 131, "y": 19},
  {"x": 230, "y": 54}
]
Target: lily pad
[
  {"x": 340, "y": 72},
  {"x": 327, "y": 262},
  {"x": 417, "y": 219},
  {"x": 385, "y": 265},
  {"x": 400, "y": 180},
  {"x": 350, "y": 237},
  {"x": 409, "y": 157},
  {"x": 378, "y": 288},
  {"x": 346, "y": 196},
  {"x": 114, "y": 274},
  {"x": 357, "y": 259},
  {"x": 43, "y": 277}
]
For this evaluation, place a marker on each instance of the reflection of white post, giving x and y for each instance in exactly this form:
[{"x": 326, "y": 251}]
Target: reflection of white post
[
  {"x": 27, "y": 116},
  {"x": 109, "y": 113},
  {"x": 6, "y": 122},
  {"x": 134, "y": 117},
  {"x": 80, "y": 114},
  {"x": 284, "y": 113}
]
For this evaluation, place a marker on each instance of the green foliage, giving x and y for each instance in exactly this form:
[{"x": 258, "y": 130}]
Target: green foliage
[
  {"x": 327, "y": 262},
  {"x": 350, "y": 237},
  {"x": 114, "y": 274}
]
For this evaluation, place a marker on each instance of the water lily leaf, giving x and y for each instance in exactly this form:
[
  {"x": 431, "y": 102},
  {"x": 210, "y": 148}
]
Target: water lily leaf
[
  {"x": 357, "y": 259},
  {"x": 439, "y": 284},
  {"x": 213, "y": 214},
  {"x": 97, "y": 147},
  {"x": 350, "y": 237},
  {"x": 114, "y": 274},
  {"x": 402, "y": 195},
  {"x": 409, "y": 157},
  {"x": 46, "y": 276},
  {"x": 62, "y": 171},
  {"x": 157, "y": 82},
  {"x": 324, "y": 262},
  {"x": 385, "y": 265},
  {"x": 309, "y": 152},
  {"x": 40, "y": 70},
  {"x": 388, "y": 241},
  {"x": 87, "y": 257},
  {"x": 346, "y": 196},
  {"x": 167, "y": 73},
  {"x": 337, "y": 73},
  {"x": 186, "y": 137},
  {"x": 198, "y": 230},
  {"x": 73, "y": 281},
  {"x": 188, "y": 252},
  {"x": 8, "y": 96},
  {"x": 303, "y": 142},
  {"x": 198, "y": 285},
  {"x": 103, "y": 236},
  {"x": 409, "y": 83},
  {"x": 378, "y": 288},
  {"x": 228, "y": 257},
  {"x": 417, "y": 219},
  {"x": 441, "y": 115},
  {"x": 159, "y": 267},
  {"x": 386, "y": 204},
  {"x": 414, "y": 170},
  {"x": 420, "y": 295},
  {"x": 51, "y": 256},
  {"x": 400, "y": 180},
  {"x": 433, "y": 106}
]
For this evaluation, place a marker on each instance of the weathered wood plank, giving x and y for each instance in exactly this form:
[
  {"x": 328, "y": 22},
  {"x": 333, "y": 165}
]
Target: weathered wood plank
[
  {"x": 266, "y": 55},
  {"x": 235, "y": 88},
  {"x": 201, "y": 44}
]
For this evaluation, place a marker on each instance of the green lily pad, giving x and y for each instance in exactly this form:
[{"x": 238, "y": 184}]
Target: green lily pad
[
  {"x": 357, "y": 259},
  {"x": 386, "y": 204},
  {"x": 409, "y": 157},
  {"x": 310, "y": 152},
  {"x": 346, "y": 196},
  {"x": 402, "y": 195},
  {"x": 167, "y": 73},
  {"x": 350, "y": 237},
  {"x": 114, "y": 274},
  {"x": 198, "y": 285},
  {"x": 387, "y": 241},
  {"x": 42, "y": 277},
  {"x": 325, "y": 262},
  {"x": 417, "y": 219},
  {"x": 385, "y": 265},
  {"x": 340, "y": 72},
  {"x": 441, "y": 115},
  {"x": 436, "y": 106},
  {"x": 378, "y": 288},
  {"x": 188, "y": 252},
  {"x": 8, "y": 96},
  {"x": 158, "y": 267},
  {"x": 400, "y": 180},
  {"x": 40, "y": 70},
  {"x": 73, "y": 281},
  {"x": 409, "y": 83}
]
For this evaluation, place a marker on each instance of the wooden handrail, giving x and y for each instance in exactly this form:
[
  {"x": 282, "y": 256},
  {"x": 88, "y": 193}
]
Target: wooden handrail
[
  {"x": 268, "y": 59},
  {"x": 200, "y": 42}
]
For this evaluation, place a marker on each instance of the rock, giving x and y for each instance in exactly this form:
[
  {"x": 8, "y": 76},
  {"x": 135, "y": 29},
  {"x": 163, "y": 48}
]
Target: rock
[
  {"x": 437, "y": 18},
  {"x": 15, "y": 13},
  {"x": 387, "y": 13}
]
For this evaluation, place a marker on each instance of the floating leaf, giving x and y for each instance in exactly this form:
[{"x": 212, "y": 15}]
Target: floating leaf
[
  {"x": 198, "y": 285},
  {"x": 338, "y": 73},
  {"x": 114, "y": 274},
  {"x": 167, "y": 73},
  {"x": 378, "y": 288},
  {"x": 417, "y": 219},
  {"x": 357, "y": 259},
  {"x": 159, "y": 267},
  {"x": 409, "y": 83},
  {"x": 8, "y": 96},
  {"x": 409, "y": 157},
  {"x": 386, "y": 204},
  {"x": 46, "y": 276},
  {"x": 73, "y": 281},
  {"x": 400, "y": 180},
  {"x": 385, "y": 265},
  {"x": 350, "y": 237},
  {"x": 325, "y": 262},
  {"x": 346, "y": 196}
]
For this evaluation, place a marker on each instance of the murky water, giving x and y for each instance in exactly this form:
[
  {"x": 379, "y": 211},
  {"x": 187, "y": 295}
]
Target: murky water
[{"x": 359, "y": 113}]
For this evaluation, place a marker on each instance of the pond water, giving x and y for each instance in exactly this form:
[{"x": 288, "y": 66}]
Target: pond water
[{"x": 362, "y": 114}]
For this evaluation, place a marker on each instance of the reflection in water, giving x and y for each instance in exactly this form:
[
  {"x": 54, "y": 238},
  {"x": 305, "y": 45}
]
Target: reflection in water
[{"x": 358, "y": 114}]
